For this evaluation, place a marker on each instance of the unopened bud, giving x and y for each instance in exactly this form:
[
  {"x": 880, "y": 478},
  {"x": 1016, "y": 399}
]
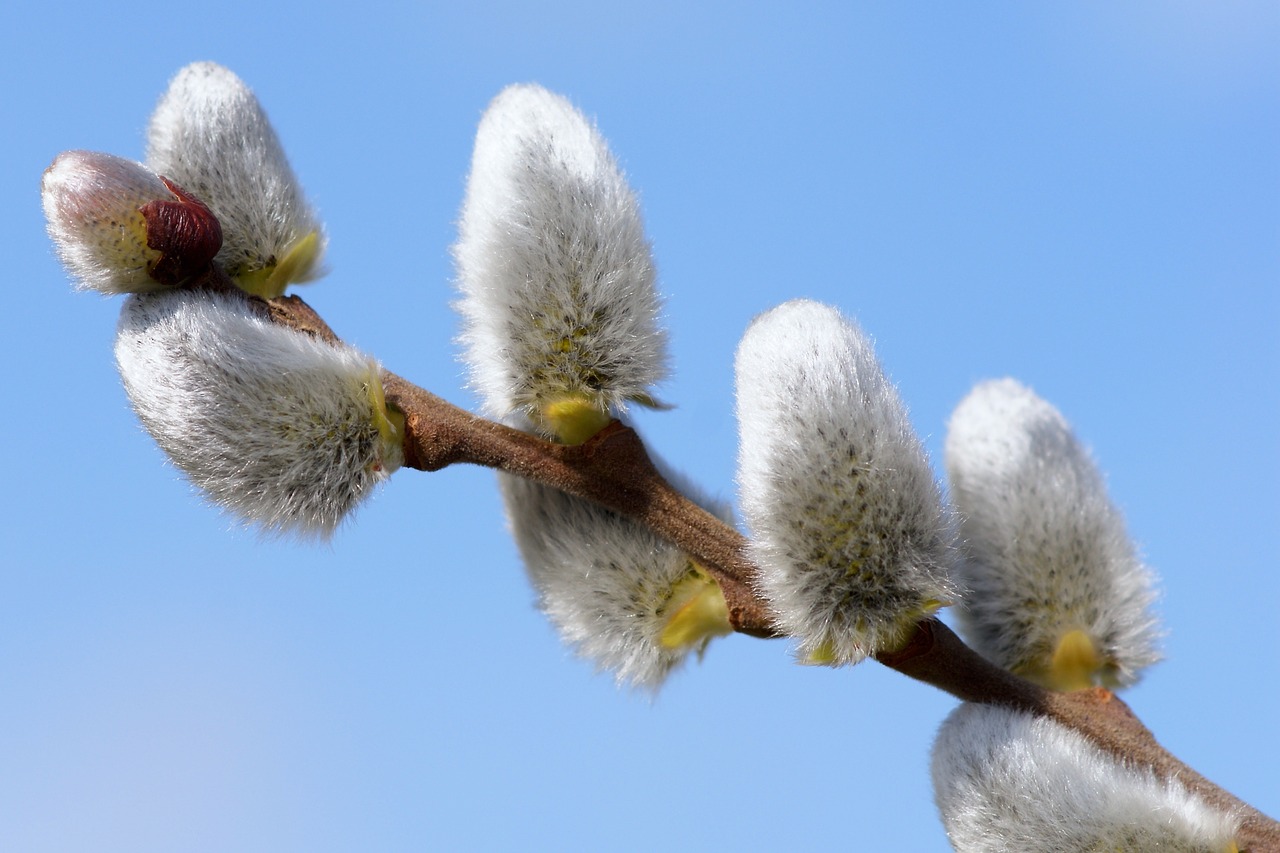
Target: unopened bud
[{"x": 120, "y": 228}]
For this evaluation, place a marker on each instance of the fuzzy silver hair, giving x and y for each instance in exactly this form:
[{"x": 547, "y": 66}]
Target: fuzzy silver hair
[
  {"x": 210, "y": 135},
  {"x": 847, "y": 523},
  {"x": 604, "y": 581},
  {"x": 554, "y": 269},
  {"x": 1046, "y": 552},
  {"x": 1006, "y": 781},
  {"x": 277, "y": 427}
]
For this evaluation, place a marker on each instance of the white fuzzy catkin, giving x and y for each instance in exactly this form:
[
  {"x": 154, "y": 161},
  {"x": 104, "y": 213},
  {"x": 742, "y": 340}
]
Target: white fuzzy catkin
[
  {"x": 1046, "y": 552},
  {"x": 92, "y": 207},
  {"x": 283, "y": 430},
  {"x": 210, "y": 135},
  {"x": 557, "y": 283},
  {"x": 847, "y": 524},
  {"x": 1007, "y": 781},
  {"x": 604, "y": 581}
]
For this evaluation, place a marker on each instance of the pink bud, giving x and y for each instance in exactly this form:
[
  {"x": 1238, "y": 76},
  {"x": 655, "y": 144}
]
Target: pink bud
[{"x": 120, "y": 228}]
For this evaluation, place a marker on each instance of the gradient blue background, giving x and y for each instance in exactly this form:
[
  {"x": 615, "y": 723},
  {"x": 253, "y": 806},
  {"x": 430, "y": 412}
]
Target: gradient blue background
[{"x": 1085, "y": 196}]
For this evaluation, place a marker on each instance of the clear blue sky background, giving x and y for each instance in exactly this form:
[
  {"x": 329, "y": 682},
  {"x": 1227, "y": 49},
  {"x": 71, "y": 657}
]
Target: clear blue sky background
[{"x": 1085, "y": 196}]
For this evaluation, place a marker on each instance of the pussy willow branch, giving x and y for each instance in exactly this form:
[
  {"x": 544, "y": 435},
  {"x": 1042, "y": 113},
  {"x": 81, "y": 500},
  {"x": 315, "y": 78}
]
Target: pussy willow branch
[{"x": 614, "y": 470}]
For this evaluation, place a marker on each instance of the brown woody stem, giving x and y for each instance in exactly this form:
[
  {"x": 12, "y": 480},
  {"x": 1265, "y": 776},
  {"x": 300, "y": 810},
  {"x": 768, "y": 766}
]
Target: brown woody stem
[
  {"x": 611, "y": 468},
  {"x": 614, "y": 470}
]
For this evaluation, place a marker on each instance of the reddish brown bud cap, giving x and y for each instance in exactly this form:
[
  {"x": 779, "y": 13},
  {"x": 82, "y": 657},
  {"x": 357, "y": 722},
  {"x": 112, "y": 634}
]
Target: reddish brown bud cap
[{"x": 185, "y": 233}]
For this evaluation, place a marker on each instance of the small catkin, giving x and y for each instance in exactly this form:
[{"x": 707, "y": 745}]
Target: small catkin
[
  {"x": 847, "y": 524},
  {"x": 560, "y": 313},
  {"x": 1055, "y": 591},
  {"x": 211, "y": 136},
  {"x": 286, "y": 432},
  {"x": 623, "y": 597},
  {"x": 1007, "y": 781}
]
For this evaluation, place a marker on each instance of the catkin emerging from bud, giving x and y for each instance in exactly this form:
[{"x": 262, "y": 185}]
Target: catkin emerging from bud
[
  {"x": 211, "y": 136},
  {"x": 558, "y": 299},
  {"x": 628, "y": 600},
  {"x": 848, "y": 527},
  {"x": 120, "y": 228},
  {"x": 1055, "y": 590},
  {"x": 1006, "y": 781},
  {"x": 283, "y": 430}
]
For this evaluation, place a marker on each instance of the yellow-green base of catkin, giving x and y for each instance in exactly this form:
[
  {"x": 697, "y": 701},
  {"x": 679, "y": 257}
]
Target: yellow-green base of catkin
[
  {"x": 390, "y": 423},
  {"x": 298, "y": 264},
  {"x": 574, "y": 418},
  {"x": 1075, "y": 664},
  {"x": 695, "y": 613}
]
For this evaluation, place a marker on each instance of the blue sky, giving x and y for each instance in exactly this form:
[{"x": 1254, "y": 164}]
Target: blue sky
[{"x": 1084, "y": 196}]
